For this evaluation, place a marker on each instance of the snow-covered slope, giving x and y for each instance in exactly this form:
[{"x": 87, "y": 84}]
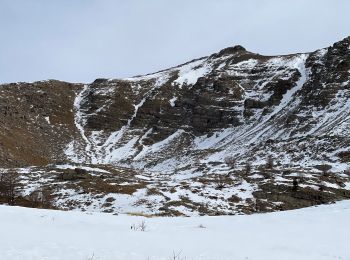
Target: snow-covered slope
[
  {"x": 312, "y": 234},
  {"x": 234, "y": 103},
  {"x": 176, "y": 127}
]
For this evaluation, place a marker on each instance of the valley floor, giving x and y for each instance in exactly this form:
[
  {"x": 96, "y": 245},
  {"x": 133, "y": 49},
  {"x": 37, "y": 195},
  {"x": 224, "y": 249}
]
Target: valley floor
[{"x": 312, "y": 233}]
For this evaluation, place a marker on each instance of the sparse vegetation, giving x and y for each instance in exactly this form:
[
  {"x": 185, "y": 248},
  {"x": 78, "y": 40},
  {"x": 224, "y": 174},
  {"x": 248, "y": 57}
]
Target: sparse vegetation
[
  {"x": 325, "y": 169},
  {"x": 248, "y": 168},
  {"x": 301, "y": 177},
  {"x": 295, "y": 184},
  {"x": 322, "y": 186},
  {"x": 230, "y": 161},
  {"x": 176, "y": 256},
  {"x": 139, "y": 227},
  {"x": 269, "y": 162},
  {"x": 41, "y": 198},
  {"x": 266, "y": 174},
  {"x": 9, "y": 186},
  {"x": 92, "y": 257},
  {"x": 220, "y": 182}
]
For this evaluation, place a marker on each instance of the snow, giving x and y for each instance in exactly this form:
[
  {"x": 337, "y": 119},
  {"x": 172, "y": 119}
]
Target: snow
[
  {"x": 70, "y": 166},
  {"x": 112, "y": 151},
  {"x": 142, "y": 177},
  {"x": 236, "y": 141},
  {"x": 172, "y": 101},
  {"x": 70, "y": 152},
  {"x": 79, "y": 121},
  {"x": 332, "y": 114},
  {"x": 297, "y": 62},
  {"x": 122, "y": 152},
  {"x": 205, "y": 142},
  {"x": 238, "y": 69},
  {"x": 315, "y": 233},
  {"x": 159, "y": 77},
  {"x": 322, "y": 52},
  {"x": 160, "y": 145},
  {"x": 221, "y": 66},
  {"x": 190, "y": 73},
  {"x": 253, "y": 76}
]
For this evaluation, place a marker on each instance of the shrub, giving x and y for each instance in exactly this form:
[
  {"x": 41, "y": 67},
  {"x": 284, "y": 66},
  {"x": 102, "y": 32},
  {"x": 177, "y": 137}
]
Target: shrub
[
  {"x": 140, "y": 227},
  {"x": 301, "y": 177},
  {"x": 269, "y": 162},
  {"x": 322, "y": 186},
  {"x": 248, "y": 168},
  {"x": 230, "y": 161},
  {"x": 92, "y": 257},
  {"x": 80, "y": 171},
  {"x": 201, "y": 226},
  {"x": 9, "y": 186},
  {"x": 266, "y": 175},
  {"x": 220, "y": 182},
  {"x": 295, "y": 184},
  {"x": 41, "y": 198},
  {"x": 176, "y": 256},
  {"x": 324, "y": 168}
]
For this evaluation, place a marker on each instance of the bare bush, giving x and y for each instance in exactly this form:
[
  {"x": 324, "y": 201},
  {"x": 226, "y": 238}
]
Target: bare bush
[
  {"x": 256, "y": 204},
  {"x": 142, "y": 226},
  {"x": 248, "y": 168},
  {"x": 325, "y": 169},
  {"x": 139, "y": 227},
  {"x": 322, "y": 186},
  {"x": 41, "y": 198},
  {"x": 269, "y": 162},
  {"x": 230, "y": 161},
  {"x": 201, "y": 226},
  {"x": 301, "y": 177},
  {"x": 295, "y": 184},
  {"x": 9, "y": 186},
  {"x": 176, "y": 256},
  {"x": 220, "y": 182},
  {"x": 2, "y": 184},
  {"x": 266, "y": 175},
  {"x": 92, "y": 257}
]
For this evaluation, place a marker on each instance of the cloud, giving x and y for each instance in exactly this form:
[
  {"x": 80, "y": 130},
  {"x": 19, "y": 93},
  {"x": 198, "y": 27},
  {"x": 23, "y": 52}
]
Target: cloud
[{"x": 82, "y": 40}]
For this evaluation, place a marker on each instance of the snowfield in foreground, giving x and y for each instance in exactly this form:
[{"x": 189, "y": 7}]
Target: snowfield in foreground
[{"x": 313, "y": 233}]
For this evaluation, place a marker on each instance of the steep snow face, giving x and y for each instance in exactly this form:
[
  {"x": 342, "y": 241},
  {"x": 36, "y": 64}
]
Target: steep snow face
[{"x": 314, "y": 233}]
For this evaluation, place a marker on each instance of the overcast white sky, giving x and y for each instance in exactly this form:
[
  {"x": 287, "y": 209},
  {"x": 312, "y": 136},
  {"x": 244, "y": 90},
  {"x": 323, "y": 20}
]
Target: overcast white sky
[{"x": 80, "y": 40}]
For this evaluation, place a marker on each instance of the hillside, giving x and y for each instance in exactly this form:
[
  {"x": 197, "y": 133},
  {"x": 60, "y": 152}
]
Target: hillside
[{"x": 160, "y": 143}]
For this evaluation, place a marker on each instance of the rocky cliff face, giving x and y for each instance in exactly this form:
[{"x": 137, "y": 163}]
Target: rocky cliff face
[{"x": 184, "y": 121}]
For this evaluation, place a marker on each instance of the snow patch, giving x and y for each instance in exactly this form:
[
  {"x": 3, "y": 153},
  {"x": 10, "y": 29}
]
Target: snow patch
[
  {"x": 191, "y": 72},
  {"x": 172, "y": 101}
]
